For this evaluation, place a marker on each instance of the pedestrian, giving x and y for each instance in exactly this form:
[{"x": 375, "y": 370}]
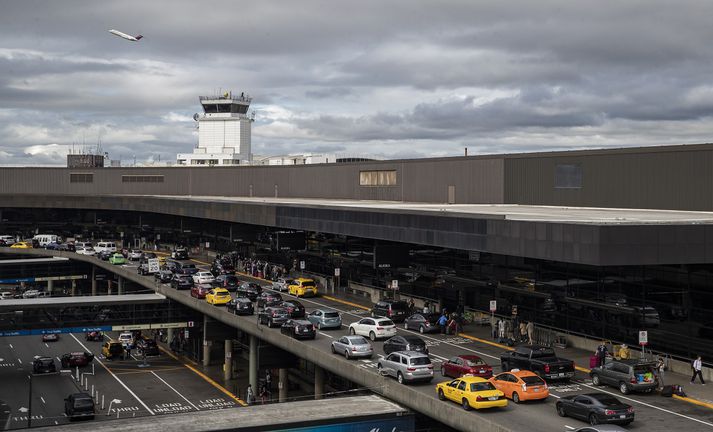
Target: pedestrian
[
  {"x": 263, "y": 394},
  {"x": 426, "y": 307},
  {"x": 127, "y": 351},
  {"x": 697, "y": 366},
  {"x": 523, "y": 331},
  {"x": 659, "y": 370},
  {"x": 530, "y": 332},
  {"x": 601, "y": 353},
  {"x": 249, "y": 395},
  {"x": 501, "y": 330},
  {"x": 442, "y": 322},
  {"x": 268, "y": 380},
  {"x": 624, "y": 352},
  {"x": 411, "y": 305}
]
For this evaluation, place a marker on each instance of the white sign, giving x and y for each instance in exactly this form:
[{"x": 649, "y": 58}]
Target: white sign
[
  {"x": 395, "y": 284},
  {"x": 302, "y": 265},
  {"x": 191, "y": 323},
  {"x": 643, "y": 337},
  {"x": 336, "y": 271},
  {"x": 185, "y": 333},
  {"x": 158, "y": 237},
  {"x": 493, "y": 305},
  {"x": 154, "y": 265},
  {"x": 207, "y": 245}
]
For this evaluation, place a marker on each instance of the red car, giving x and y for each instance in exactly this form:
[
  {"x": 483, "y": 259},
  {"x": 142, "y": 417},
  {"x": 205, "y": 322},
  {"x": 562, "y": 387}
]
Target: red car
[
  {"x": 50, "y": 337},
  {"x": 76, "y": 359},
  {"x": 466, "y": 364},
  {"x": 200, "y": 290},
  {"x": 95, "y": 336}
]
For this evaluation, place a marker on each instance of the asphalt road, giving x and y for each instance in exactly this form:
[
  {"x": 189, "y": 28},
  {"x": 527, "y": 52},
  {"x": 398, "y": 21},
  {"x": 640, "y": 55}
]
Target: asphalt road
[
  {"x": 165, "y": 386},
  {"x": 653, "y": 413}
]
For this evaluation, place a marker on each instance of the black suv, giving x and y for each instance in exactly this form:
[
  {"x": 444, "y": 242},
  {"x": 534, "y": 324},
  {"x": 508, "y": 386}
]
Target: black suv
[
  {"x": 181, "y": 252},
  {"x": 147, "y": 346},
  {"x": 43, "y": 365},
  {"x": 228, "y": 282},
  {"x": 405, "y": 343},
  {"x": 241, "y": 306},
  {"x": 273, "y": 316},
  {"x": 79, "y": 405},
  {"x": 179, "y": 282},
  {"x": 268, "y": 298},
  {"x": 397, "y": 311},
  {"x": 249, "y": 289},
  {"x": 163, "y": 276}
]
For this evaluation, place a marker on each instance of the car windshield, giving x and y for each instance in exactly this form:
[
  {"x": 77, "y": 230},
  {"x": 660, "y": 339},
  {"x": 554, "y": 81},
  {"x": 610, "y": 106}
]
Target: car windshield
[
  {"x": 477, "y": 362},
  {"x": 223, "y": 293},
  {"x": 83, "y": 403},
  {"x": 532, "y": 380},
  {"x": 606, "y": 400},
  {"x": 399, "y": 306},
  {"x": 331, "y": 314},
  {"x": 420, "y": 361},
  {"x": 481, "y": 386},
  {"x": 385, "y": 322},
  {"x": 358, "y": 340}
]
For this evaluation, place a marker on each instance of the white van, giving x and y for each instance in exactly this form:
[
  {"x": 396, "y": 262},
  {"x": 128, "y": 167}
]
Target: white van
[
  {"x": 45, "y": 239},
  {"x": 105, "y": 246},
  {"x": 8, "y": 239}
]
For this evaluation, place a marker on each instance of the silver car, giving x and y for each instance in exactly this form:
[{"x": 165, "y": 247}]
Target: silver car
[
  {"x": 352, "y": 346},
  {"x": 325, "y": 318},
  {"x": 281, "y": 284},
  {"x": 407, "y": 366}
]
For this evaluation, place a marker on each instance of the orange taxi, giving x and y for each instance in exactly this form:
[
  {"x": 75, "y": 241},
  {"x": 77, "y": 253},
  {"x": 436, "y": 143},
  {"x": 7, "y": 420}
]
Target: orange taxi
[{"x": 520, "y": 385}]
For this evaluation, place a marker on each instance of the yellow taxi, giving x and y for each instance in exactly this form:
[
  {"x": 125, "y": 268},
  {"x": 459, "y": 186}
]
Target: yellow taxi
[
  {"x": 112, "y": 349},
  {"x": 303, "y": 287},
  {"x": 521, "y": 385},
  {"x": 22, "y": 245},
  {"x": 471, "y": 392},
  {"x": 218, "y": 296}
]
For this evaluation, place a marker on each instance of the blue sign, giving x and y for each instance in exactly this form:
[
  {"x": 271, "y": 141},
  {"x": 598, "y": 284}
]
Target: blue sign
[
  {"x": 12, "y": 281},
  {"x": 397, "y": 424},
  {"x": 14, "y": 332},
  {"x": 54, "y": 331}
]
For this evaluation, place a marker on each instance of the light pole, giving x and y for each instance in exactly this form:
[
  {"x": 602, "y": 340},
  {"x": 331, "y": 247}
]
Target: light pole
[{"x": 29, "y": 405}]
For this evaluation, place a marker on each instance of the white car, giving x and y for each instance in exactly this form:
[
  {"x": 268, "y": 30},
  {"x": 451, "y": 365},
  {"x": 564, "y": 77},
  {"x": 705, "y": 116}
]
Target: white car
[
  {"x": 373, "y": 328},
  {"x": 203, "y": 277},
  {"x": 135, "y": 255},
  {"x": 126, "y": 339},
  {"x": 6, "y": 295},
  {"x": 87, "y": 250},
  {"x": 281, "y": 284}
]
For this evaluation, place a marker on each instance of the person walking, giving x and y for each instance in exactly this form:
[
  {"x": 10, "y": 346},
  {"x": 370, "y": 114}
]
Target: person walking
[
  {"x": 442, "y": 322},
  {"x": 601, "y": 353},
  {"x": 426, "y": 307},
  {"x": 523, "y": 331},
  {"x": 530, "y": 328},
  {"x": 697, "y": 366},
  {"x": 501, "y": 330},
  {"x": 659, "y": 370},
  {"x": 268, "y": 380},
  {"x": 249, "y": 395}
]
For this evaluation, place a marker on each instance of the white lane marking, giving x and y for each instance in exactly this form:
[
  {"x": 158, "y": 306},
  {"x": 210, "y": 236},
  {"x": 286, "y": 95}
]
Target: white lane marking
[
  {"x": 116, "y": 377},
  {"x": 11, "y": 347},
  {"x": 46, "y": 345},
  {"x": 555, "y": 396},
  {"x": 437, "y": 356},
  {"x": 43, "y": 400},
  {"x": 58, "y": 359},
  {"x": 569, "y": 427},
  {"x": 56, "y": 422},
  {"x": 325, "y": 334},
  {"x": 20, "y": 360},
  {"x": 648, "y": 405},
  {"x": 171, "y": 387}
]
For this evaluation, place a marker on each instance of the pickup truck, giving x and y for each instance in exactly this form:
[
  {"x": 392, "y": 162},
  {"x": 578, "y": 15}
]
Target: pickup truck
[{"x": 539, "y": 359}]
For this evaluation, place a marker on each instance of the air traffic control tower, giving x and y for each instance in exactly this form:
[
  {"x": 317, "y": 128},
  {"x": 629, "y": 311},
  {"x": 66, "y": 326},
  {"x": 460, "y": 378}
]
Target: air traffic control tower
[{"x": 223, "y": 132}]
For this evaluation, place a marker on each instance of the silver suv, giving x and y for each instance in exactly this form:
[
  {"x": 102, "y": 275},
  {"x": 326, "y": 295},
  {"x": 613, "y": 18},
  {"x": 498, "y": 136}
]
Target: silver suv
[{"x": 407, "y": 366}]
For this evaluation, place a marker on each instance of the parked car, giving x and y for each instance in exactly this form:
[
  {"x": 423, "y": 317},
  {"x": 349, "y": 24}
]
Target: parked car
[
  {"x": 134, "y": 255},
  {"x": 200, "y": 291},
  {"x": 180, "y": 252},
  {"x": 471, "y": 392},
  {"x": 374, "y": 328},
  {"x": 626, "y": 375},
  {"x": 406, "y": 366},
  {"x": 268, "y": 298},
  {"x": 222, "y": 267},
  {"x": 203, "y": 277},
  {"x": 147, "y": 346},
  {"x": 50, "y": 337},
  {"x": 539, "y": 359},
  {"x": 521, "y": 385},
  {"x": 299, "y": 329},
  {"x": 126, "y": 339},
  {"x": 303, "y": 287},
  {"x": 79, "y": 406},
  {"x": 229, "y": 282},
  {"x": 249, "y": 289},
  {"x": 466, "y": 364},
  {"x": 43, "y": 365},
  {"x": 397, "y": 311},
  {"x": 218, "y": 296},
  {"x": 163, "y": 276},
  {"x": 282, "y": 284},
  {"x": 405, "y": 343},
  {"x": 85, "y": 250},
  {"x": 76, "y": 359},
  {"x": 595, "y": 408},
  {"x": 294, "y": 308},
  {"x": 273, "y": 316},
  {"x": 112, "y": 349},
  {"x": 31, "y": 293},
  {"x": 353, "y": 346},
  {"x": 241, "y": 306},
  {"x": 424, "y": 323},
  {"x": 325, "y": 318},
  {"x": 179, "y": 282}
]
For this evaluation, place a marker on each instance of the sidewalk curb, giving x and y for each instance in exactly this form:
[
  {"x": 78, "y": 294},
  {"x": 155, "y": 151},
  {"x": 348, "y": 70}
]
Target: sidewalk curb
[{"x": 693, "y": 401}]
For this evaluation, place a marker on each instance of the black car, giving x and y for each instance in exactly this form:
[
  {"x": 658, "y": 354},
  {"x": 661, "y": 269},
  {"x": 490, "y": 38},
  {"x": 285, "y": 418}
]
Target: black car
[
  {"x": 249, "y": 289},
  {"x": 163, "y": 276},
  {"x": 76, "y": 359},
  {"x": 229, "y": 282},
  {"x": 186, "y": 269},
  {"x": 294, "y": 308},
  {"x": 105, "y": 255},
  {"x": 425, "y": 323},
  {"x": 273, "y": 316},
  {"x": 146, "y": 256},
  {"x": 405, "y": 343},
  {"x": 397, "y": 311},
  {"x": 268, "y": 298},
  {"x": 143, "y": 269},
  {"x": 222, "y": 267},
  {"x": 79, "y": 405},
  {"x": 240, "y": 306},
  {"x": 179, "y": 282},
  {"x": 67, "y": 247},
  {"x": 595, "y": 408},
  {"x": 181, "y": 252},
  {"x": 94, "y": 336},
  {"x": 43, "y": 365},
  {"x": 147, "y": 346},
  {"x": 299, "y": 329}
]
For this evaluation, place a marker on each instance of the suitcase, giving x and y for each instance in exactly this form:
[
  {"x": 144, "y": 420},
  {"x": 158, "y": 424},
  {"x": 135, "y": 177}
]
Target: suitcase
[
  {"x": 593, "y": 362},
  {"x": 667, "y": 391}
]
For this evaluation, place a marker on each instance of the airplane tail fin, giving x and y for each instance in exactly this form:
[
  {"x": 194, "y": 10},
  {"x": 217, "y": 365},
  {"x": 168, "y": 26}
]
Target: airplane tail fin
[{"x": 138, "y": 37}]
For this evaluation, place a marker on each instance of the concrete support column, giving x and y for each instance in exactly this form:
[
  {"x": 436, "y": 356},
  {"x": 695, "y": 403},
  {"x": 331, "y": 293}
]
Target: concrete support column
[
  {"x": 318, "y": 382},
  {"x": 169, "y": 335},
  {"x": 282, "y": 385},
  {"x": 74, "y": 288},
  {"x": 121, "y": 285},
  {"x": 253, "y": 366},
  {"x": 228, "y": 365},
  {"x": 94, "y": 281},
  {"x": 206, "y": 342},
  {"x": 108, "y": 287},
  {"x": 50, "y": 286}
]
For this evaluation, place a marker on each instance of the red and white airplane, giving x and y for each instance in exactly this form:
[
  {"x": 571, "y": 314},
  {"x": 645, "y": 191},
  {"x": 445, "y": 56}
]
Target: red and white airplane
[{"x": 125, "y": 36}]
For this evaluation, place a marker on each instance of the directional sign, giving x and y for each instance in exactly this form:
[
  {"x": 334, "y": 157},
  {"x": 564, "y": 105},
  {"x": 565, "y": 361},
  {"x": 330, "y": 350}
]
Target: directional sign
[
  {"x": 643, "y": 337},
  {"x": 493, "y": 305},
  {"x": 395, "y": 284},
  {"x": 154, "y": 265},
  {"x": 302, "y": 265},
  {"x": 337, "y": 270}
]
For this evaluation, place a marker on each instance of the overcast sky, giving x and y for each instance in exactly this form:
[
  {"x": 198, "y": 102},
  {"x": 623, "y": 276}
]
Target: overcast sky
[{"x": 366, "y": 78}]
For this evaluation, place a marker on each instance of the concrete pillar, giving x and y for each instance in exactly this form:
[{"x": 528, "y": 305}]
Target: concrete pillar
[
  {"x": 50, "y": 285},
  {"x": 228, "y": 365},
  {"x": 74, "y": 288},
  {"x": 108, "y": 287},
  {"x": 253, "y": 366},
  {"x": 318, "y": 382},
  {"x": 206, "y": 342},
  {"x": 94, "y": 281},
  {"x": 121, "y": 285},
  {"x": 169, "y": 335},
  {"x": 282, "y": 385}
]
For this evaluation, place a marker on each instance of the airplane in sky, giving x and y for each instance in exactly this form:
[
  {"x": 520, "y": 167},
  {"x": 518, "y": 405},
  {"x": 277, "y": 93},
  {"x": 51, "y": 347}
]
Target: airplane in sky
[{"x": 125, "y": 36}]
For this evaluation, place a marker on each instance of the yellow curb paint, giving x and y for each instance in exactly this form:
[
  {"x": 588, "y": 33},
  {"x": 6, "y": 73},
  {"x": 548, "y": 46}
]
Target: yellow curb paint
[
  {"x": 207, "y": 379},
  {"x": 334, "y": 299},
  {"x": 495, "y": 344},
  {"x": 693, "y": 401},
  {"x": 582, "y": 369}
]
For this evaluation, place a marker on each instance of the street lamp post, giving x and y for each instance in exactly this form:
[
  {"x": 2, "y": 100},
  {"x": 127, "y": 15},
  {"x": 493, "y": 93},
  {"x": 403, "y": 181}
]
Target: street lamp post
[{"x": 29, "y": 406}]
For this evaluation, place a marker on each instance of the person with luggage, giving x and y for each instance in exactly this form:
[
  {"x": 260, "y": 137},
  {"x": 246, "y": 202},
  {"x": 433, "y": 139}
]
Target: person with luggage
[
  {"x": 659, "y": 369},
  {"x": 601, "y": 354},
  {"x": 501, "y": 330},
  {"x": 442, "y": 322},
  {"x": 624, "y": 352},
  {"x": 697, "y": 367}
]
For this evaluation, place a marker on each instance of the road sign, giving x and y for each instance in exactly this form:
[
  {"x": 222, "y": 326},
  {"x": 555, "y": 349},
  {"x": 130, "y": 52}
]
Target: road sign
[
  {"x": 191, "y": 323},
  {"x": 336, "y": 271},
  {"x": 154, "y": 265},
  {"x": 395, "y": 284},
  {"x": 493, "y": 305},
  {"x": 185, "y": 334},
  {"x": 643, "y": 337},
  {"x": 302, "y": 265},
  {"x": 207, "y": 245}
]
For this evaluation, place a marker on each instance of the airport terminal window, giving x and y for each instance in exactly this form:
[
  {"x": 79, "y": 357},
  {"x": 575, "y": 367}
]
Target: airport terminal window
[
  {"x": 568, "y": 176},
  {"x": 377, "y": 178},
  {"x": 142, "y": 179},
  {"x": 81, "y": 177}
]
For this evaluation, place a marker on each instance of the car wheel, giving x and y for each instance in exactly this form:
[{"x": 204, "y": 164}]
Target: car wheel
[
  {"x": 333, "y": 350},
  {"x": 372, "y": 336},
  {"x": 623, "y": 388},
  {"x": 379, "y": 369},
  {"x": 421, "y": 330},
  {"x": 400, "y": 378},
  {"x": 515, "y": 397},
  {"x": 351, "y": 331},
  {"x": 319, "y": 326},
  {"x": 466, "y": 405},
  {"x": 372, "y": 314},
  {"x": 560, "y": 411},
  {"x": 504, "y": 366},
  {"x": 593, "y": 420},
  {"x": 346, "y": 354},
  {"x": 405, "y": 325},
  {"x": 441, "y": 396},
  {"x": 443, "y": 370},
  {"x": 595, "y": 380}
]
